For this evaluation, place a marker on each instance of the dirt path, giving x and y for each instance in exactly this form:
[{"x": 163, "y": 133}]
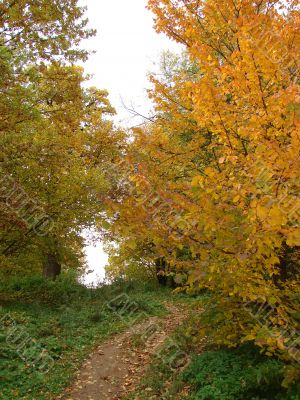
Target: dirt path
[{"x": 118, "y": 364}]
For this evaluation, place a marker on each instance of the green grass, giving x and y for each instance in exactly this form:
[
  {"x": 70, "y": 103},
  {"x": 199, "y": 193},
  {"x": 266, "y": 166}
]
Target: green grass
[
  {"x": 237, "y": 374},
  {"x": 214, "y": 374},
  {"x": 66, "y": 320}
]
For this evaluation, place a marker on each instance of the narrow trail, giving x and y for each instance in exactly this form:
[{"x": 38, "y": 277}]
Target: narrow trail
[{"x": 117, "y": 365}]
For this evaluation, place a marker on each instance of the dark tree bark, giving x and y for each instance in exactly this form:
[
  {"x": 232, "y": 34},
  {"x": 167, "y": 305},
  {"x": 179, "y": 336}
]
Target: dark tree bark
[
  {"x": 162, "y": 273},
  {"x": 289, "y": 264},
  {"x": 52, "y": 267},
  {"x": 160, "y": 264}
]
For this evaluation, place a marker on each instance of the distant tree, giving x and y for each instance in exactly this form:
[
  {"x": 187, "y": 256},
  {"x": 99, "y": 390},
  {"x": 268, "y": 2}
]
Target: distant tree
[{"x": 56, "y": 136}]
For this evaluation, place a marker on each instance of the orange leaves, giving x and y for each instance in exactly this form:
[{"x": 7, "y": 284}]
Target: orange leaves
[
  {"x": 221, "y": 163},
  {"x": 210, "y": 172},
  {"x": 270, "y": 216},
  {"x": 277, "y": 217},
  {"x": 197, "y": 181},
  {"x": 293, "y": 238}
]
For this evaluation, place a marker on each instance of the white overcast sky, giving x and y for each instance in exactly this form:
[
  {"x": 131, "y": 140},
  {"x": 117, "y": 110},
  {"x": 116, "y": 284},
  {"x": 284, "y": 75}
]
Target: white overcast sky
[{"x": 126, "y": 48}]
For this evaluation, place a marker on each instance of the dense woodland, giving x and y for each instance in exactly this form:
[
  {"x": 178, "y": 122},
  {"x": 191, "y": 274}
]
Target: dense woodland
[{"x": 203, "y": 197}]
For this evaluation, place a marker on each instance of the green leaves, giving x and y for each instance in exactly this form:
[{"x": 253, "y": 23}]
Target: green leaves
[{"x": 54, "y": 132}]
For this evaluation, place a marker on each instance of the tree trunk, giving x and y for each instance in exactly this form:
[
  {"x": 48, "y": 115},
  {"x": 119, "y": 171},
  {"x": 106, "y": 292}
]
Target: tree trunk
[
  {"x": 52, "y": 267},
  {"x": 160, "y": 264},
  {"x": 162, "y": 273}
]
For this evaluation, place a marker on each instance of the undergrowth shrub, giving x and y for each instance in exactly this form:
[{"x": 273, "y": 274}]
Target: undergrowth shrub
[{"x": 239, "y": 374}]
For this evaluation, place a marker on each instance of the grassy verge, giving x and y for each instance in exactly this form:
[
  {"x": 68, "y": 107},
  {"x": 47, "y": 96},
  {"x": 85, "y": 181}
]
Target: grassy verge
[
  {"x": 239, "y": 374},
  {"x": 63, "y": 321},
  {"x": 214, "y": 373}
]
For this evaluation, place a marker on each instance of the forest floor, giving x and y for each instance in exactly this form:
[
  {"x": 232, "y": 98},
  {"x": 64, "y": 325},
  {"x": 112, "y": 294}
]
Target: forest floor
[
  {"x": 129, "y": 341},
  {"x": 66, "y": 322},
  {"x": 116, "y": 366}
]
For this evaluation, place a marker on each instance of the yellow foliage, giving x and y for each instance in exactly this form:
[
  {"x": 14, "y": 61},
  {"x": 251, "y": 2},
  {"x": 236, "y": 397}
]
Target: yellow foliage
[{"x": 221, "y": 165}]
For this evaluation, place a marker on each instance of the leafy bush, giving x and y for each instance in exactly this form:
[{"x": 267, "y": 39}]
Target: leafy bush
[{"x": 239, "y": 374}]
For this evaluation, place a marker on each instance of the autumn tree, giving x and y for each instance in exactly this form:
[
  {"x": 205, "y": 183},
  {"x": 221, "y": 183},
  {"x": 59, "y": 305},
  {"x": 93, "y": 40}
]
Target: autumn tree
[
  {"x": 216, "y": 173},
  {"x": 56, "y": 137}
]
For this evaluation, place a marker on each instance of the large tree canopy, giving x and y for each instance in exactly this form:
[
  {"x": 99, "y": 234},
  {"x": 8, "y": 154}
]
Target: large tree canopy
[
  {"x": 214, "y": 179},
  {"x": 55, "y": 135}
]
